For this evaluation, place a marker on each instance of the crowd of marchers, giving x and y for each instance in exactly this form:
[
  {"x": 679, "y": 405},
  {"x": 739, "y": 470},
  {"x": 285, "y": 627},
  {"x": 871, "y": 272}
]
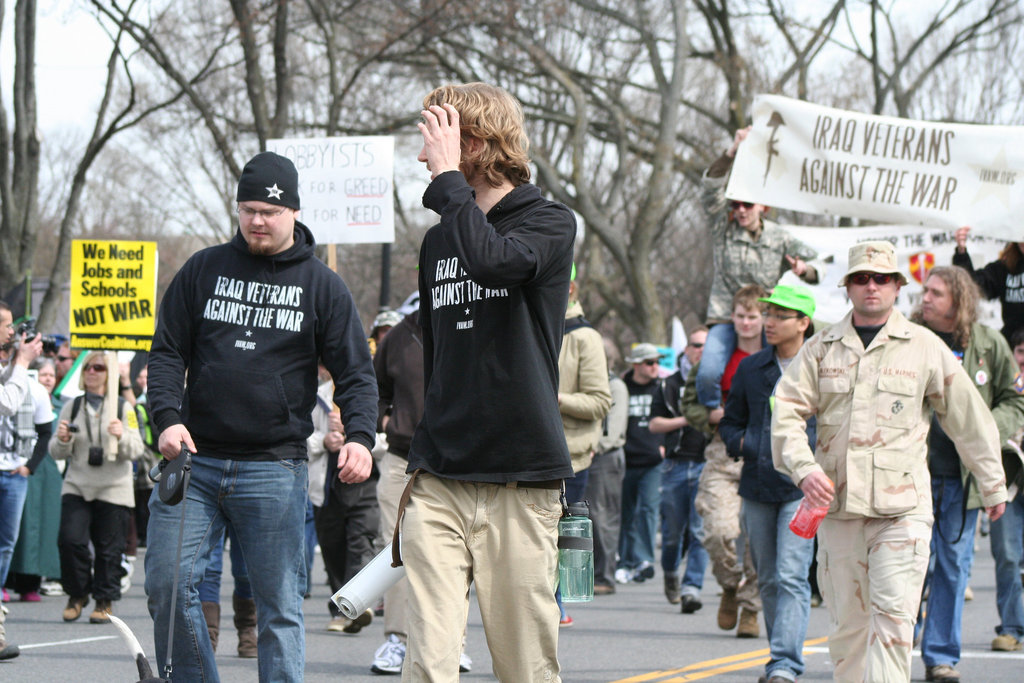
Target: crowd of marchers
[{"x": 807, "y": 462}]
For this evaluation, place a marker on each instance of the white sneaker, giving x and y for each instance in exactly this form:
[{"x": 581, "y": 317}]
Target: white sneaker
[
  {"x": 52, "y": 588},
  {"x": 623, "y": 575},
  {"x": 389, "y": 657},
  {"x": 465, "y": 663}
]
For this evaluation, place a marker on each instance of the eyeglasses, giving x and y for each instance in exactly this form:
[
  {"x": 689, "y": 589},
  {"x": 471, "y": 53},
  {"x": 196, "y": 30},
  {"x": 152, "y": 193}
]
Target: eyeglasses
[
  {"x": 863, "y": 278},
  {"x": 265, "y": 214},
  {"x": 650, "y": 362},
  {"x": 95, "y": 367},
  {"x": 778, "y": 316},
  {"x": 744, "y": 205}
]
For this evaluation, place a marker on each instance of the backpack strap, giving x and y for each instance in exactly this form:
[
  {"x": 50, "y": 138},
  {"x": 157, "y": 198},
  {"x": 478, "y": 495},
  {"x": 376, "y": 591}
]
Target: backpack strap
[{"x": 575, "y": 324}]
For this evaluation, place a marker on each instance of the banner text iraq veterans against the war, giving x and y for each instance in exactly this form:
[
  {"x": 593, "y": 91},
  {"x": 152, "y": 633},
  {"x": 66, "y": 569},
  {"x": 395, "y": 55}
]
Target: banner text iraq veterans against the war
[{"x": 814, "y": 159}]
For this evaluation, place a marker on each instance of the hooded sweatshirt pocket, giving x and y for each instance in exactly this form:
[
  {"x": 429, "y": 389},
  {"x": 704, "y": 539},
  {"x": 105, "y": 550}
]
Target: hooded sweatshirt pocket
[{"x": 239, "y": 406}]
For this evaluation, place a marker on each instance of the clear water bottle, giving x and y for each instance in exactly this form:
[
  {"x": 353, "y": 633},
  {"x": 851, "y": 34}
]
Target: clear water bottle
[{"x": 576, "y": 554}]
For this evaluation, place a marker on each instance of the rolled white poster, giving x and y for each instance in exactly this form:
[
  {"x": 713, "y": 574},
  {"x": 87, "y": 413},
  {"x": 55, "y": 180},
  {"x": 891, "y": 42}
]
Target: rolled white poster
[{"x": 368, "y": 586}]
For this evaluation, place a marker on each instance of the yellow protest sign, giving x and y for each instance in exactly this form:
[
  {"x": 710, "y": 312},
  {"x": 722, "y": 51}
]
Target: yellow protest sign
[{"x": 113, "y": 294}]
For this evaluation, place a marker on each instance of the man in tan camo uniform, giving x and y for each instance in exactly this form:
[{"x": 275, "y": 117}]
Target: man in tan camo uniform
[{"x": 873, "y": 380}]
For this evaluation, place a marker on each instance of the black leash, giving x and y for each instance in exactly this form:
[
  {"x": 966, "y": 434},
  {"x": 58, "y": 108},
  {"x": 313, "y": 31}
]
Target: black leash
[{"x": 173, "y": 489}]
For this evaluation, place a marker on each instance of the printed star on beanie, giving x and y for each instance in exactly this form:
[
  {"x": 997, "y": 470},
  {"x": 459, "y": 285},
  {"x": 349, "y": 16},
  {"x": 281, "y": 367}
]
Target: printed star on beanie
[{"x": 274, "y": 192}]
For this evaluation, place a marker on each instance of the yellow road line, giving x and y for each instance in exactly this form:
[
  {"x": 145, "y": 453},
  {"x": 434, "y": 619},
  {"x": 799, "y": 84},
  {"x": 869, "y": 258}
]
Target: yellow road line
[{"x": 712, "y": 667}]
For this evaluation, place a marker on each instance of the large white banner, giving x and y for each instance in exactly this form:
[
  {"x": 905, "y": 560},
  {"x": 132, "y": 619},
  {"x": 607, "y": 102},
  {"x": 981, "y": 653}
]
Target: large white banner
[
  {"x": 809, "y": 158},
  {"x": 917, "y": 251},
  {"x": 346, "y": 186}
]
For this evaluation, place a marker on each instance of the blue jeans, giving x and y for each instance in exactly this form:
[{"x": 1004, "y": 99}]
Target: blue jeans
[
  {"x": 209, "y": 587},
  {"x": 782, "y": 560},
  {"x": 13, "y": 489},
  {"x": 1007, "y": 551},
  {"x": 679, "y": 518},
  {"x": 718, "y": 348},
  {"x": 310, "y": 543},
  {"x": 947, "y": 581},
  {"x": 640, "y": 500},
  {"x": 265, "y": 502}
]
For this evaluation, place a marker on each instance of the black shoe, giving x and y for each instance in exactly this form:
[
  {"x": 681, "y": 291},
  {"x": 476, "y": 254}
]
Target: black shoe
[
  {"x": 8, "y": 650},
  {"x": 644, "y": 572},
  {"x": 356, "y": 625},
  {"x": 690, "y": 604}
]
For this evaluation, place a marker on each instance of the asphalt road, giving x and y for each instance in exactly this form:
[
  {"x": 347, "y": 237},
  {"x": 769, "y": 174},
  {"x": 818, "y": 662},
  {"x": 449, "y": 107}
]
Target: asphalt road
[{"x": 632, "y": 636}]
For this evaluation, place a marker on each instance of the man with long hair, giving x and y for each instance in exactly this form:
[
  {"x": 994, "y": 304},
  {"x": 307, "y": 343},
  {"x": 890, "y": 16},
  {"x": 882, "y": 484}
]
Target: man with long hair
[
  {"x": 949, "y": 308},
  {"x": 489, "y": 456}
]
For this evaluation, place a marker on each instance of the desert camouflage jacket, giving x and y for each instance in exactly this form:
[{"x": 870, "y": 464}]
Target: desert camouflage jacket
[
  {"x": 874, "y": 410},
  {"x": 738, "y": 259}
]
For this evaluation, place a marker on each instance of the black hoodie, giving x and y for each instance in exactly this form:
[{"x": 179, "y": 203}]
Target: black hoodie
[
  {"x": 249, "y": 330},
  {"x": 493, "y": 291}
]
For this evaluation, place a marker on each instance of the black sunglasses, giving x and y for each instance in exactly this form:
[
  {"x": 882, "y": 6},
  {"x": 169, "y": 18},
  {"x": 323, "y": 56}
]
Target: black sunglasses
[
  {"x": 696, "y": 345},
  {"x": 745, "y": 205},
  {"x": 650, "y": 362},
  {"x": 863, "y": 278}
]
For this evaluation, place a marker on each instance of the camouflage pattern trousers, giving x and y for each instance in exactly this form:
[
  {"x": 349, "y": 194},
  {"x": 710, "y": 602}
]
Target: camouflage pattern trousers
[
  {"x": 719, "y": 504},
  {"x": 870, "y": 572}
]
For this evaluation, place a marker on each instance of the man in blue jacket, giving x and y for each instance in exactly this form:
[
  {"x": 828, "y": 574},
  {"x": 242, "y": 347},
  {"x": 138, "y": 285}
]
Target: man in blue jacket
[
  {"x": 247, "y": 322},
  {"x": 782, "y": 559}
]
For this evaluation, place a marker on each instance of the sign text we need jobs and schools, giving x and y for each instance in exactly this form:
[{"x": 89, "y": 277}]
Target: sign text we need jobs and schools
[{"x": 113, "y": 294}]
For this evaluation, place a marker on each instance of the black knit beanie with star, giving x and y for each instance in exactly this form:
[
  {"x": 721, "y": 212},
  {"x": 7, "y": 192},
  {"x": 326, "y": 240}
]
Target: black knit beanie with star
[{"x": 270, "y": 178}]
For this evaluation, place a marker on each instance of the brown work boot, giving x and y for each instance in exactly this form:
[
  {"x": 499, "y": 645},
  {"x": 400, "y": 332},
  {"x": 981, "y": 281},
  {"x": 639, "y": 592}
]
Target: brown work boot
[
  {"x": 941, "y": 673},
  {"x": 211, "y": 614},
  {"x": 101, "y": 615},
  {"x": 74, "y": 608},
  {"x": 727, "y": 609},
  {"x": 245, "y": 622},
  {"x": 749, "y": 627},
  {"x": 1005, "y": 642}
]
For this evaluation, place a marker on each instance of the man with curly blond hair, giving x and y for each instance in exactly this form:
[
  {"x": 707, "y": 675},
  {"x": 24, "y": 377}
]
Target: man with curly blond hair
[{"x": 489, "y": 456}]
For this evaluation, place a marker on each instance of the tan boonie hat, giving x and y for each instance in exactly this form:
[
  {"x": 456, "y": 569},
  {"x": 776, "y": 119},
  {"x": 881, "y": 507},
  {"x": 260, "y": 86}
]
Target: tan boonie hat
[
  {"x": 642, "y": 352},
  {"x": 873, "y": 257}
]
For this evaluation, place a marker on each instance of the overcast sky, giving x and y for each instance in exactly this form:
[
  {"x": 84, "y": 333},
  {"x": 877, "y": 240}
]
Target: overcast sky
[{"x": 71, "y": 55}]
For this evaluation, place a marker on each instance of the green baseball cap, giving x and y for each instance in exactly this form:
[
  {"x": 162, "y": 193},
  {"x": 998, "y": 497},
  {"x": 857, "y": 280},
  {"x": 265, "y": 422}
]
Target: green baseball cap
[{"x": 793, "y": 297}]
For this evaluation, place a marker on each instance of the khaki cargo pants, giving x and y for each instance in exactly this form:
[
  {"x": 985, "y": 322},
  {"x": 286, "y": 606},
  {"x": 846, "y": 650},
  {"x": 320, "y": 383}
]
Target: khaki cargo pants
[
  {"x": 870, "y": 572},
  {"x": 505, "y": 540},
  {"x": 719, "y": 504}
]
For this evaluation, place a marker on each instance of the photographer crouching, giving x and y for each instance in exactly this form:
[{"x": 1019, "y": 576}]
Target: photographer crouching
[{"x": 98, "y": 490}]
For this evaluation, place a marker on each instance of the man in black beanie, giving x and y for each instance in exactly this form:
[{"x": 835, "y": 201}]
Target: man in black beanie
[{"x": 233, "y": 378}]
